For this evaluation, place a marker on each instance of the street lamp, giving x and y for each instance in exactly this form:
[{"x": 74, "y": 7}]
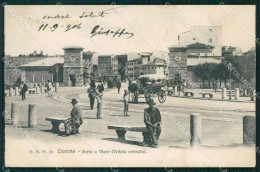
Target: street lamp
[{"x": 230, "y": 81}]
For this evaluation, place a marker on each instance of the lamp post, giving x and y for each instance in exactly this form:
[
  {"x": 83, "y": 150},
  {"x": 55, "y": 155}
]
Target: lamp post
[{"x": 230, "y": 81}]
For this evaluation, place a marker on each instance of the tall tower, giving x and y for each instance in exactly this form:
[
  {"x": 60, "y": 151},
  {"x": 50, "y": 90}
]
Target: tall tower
[
  {"x": 73, "y": 66},
  {"x": 178, "y": 61}
]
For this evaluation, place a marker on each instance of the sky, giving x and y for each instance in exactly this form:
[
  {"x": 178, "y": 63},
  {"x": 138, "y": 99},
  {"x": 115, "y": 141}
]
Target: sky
[{"x": 154, "y": 28}]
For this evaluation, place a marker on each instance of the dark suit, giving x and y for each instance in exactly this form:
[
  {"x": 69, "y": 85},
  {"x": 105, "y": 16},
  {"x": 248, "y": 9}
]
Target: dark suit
[
  {"x": 91, "y": 95},
  {"x": 76, "y": 118},
  {"x": 23, "y": 91},
  {"x": 152, "y": 116}
]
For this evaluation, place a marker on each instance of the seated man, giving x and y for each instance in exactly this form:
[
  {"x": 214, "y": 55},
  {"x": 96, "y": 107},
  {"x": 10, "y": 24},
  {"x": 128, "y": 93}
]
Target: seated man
[
  {"x": 73, "y": 124},
  {"x": 152, "y": 120}
]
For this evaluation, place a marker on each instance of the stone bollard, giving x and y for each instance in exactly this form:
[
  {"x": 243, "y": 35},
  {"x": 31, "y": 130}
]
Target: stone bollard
[
  {"x": 249, "y": 130},
  {"x": 37, "y": 89},
  {"x": 236, "y": 93},
  {"x": 16, "y": 91},
  {"x": 42, "y": 88},
  {"x": 14, "y": 114},
  {"x": 10, "y": 91},
  {"x": 56, "y": 86},
  {"x": 224, "y": 91},
  {"x": 32, "y": 116},
  {"x": 252, "y": 95},
  {"x": 195, "y": 129}
]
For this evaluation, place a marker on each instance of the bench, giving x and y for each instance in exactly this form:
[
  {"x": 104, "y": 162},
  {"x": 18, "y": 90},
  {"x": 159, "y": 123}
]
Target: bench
[
  {"x": 32, "y": 90},
  {"x": 121, "y": 131},
  {"x": 204, "y": 95},
  {"x": 187, "y": 93},
  {"x": 56, "y": 121}
]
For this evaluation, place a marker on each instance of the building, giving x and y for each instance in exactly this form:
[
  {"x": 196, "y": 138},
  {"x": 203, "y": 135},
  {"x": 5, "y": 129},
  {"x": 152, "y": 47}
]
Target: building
[
  {"x": 198, "y": 50},
  {"x": 157, "y": 66},
  {"x": 114, "y": 64},
  {"x": 209, "y": 35},
  {"x": 105, "y": 66},
  {"x": 73, "y": 66},
  {"x": 42, "y": 71},
  {"x": 135, "y": 68},
  {"x": 88, "y": 65},
  {"x": 182, "y": 65},
  {"x": 231, "y": 51},
  {"x": 146, "y": 57},
  {"x": 122, "y": 65}
]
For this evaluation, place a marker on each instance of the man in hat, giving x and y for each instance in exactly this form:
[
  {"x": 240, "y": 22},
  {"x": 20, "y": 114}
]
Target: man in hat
[
  {"x": 23, "y": 90},
  {"x": 92, "y": 94},
  {"x": 152, "y": 120},
  {"x": 76, "y": 118},
  {"x": 118, "y": 86}
]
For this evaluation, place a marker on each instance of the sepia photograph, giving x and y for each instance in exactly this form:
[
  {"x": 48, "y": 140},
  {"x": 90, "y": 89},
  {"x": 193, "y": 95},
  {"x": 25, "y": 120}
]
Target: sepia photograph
[{"x": 130, "y": 86}]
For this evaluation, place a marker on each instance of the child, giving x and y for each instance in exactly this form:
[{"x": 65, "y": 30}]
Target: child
[
  {"x": 99, "y": 101},
  {"x": 125, "y": 103}
]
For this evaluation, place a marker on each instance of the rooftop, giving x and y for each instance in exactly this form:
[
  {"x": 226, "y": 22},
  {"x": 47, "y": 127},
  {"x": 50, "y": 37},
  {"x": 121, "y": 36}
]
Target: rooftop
[
  {"x": 198, "y": 45},
  {"x": 72, "y": 47},
  {"x": 47, "y": 62}
]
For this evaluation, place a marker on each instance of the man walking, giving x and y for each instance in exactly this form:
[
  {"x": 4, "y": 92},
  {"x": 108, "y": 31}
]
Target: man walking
[
  {"x": 91, "y": 94},
  {"x": 23, "y": 91},
  {"x": 152, "y": 120},
  {"x": 118, "y": 85},
  {"x": 73, "y": 124}
]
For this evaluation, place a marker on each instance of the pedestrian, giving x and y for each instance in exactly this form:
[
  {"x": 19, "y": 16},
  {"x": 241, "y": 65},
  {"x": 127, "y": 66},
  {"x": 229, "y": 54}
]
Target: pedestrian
[
  {"x": 73, "y": 123},
  {"x": 125, "y": 103},
  {"x": 118, "y": 85},
  {"x": 49, "y": 87},
  {"x": 24, "y": 90},
  {"x": 91, "y": 94},
  {"x": 93, "y": 84},
  {"x": 100, "y": 87},
  {"x": 99, "y": 104},
  {"x": 152, "y": 120},
  {"x": 21, "y": 87}
]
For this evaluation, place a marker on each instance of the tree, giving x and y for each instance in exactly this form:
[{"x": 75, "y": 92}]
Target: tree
[{"x": 206, "y": 71}]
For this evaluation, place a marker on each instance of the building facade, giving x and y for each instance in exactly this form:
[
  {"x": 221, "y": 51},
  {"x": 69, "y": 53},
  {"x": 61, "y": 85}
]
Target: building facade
[
  {"x": 73, "y": 66},
  {"x": 157, "y": 66},
  {"x": 105, "y": 66},
  {"x": 88, "y": 66},
  {"x": 42, "y": 71},
  {"x": 135, "y": 68},
  {"x": 210, "y": 35}
]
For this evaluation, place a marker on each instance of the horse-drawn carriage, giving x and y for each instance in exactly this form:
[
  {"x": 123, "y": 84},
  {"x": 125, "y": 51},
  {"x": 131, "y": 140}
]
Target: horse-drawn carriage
[{"x": 149, "y": 85}]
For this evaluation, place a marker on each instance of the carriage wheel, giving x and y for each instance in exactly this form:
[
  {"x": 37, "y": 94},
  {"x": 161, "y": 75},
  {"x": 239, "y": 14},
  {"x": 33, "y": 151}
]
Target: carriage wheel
[
  {"x": 148, "y": 95},
  {"x": 161, "y": 96}
]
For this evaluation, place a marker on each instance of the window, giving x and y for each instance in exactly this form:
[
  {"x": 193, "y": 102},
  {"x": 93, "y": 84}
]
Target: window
[
  {"x": 210, "y": 30},
  {"x": 194, "y": 38},
  {"x": 210, "y": 40}
]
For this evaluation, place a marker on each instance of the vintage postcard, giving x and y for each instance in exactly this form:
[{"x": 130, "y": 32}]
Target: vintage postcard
[{"x": 130, "y": 86}]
